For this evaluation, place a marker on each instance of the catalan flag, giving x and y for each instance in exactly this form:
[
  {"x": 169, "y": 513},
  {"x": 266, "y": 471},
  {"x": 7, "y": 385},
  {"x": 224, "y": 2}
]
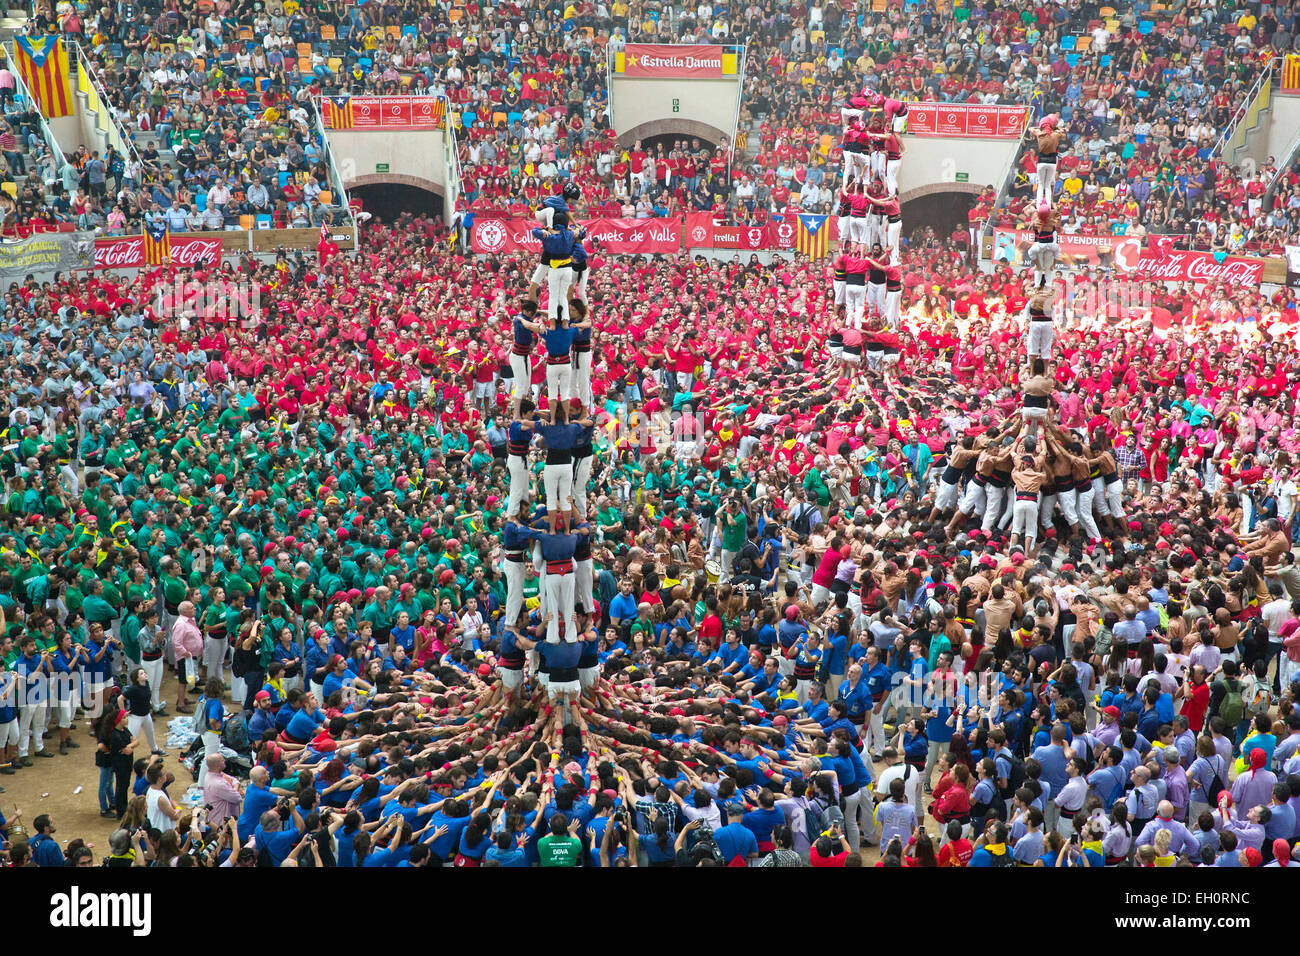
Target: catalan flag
[
  {"x": 43, "y": 65},
  {"x": 157, "y": 244},
  {"x": 1291, "y": 74},
  {"x": 811, "y": 234},
  {"x": 338, "y": 112}
]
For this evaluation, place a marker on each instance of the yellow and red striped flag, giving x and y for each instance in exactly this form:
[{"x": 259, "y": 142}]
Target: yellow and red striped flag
[
  {"x": 157, "y": 244},
  {"x": 1291, "y": 74},
  {"x": 811, "y": 235},
  {"x": 338, "y": 112},
  {"x": 43, "y": 65}
]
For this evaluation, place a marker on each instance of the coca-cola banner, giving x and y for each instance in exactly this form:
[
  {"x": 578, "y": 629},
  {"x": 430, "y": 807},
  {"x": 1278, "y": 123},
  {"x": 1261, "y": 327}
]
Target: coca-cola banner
[
  {"x": 663, "y": 61},
  {"x": 966, "y": 120},
  {"x": 127, "y": 252},
  {"x": 1159, "y": 262},
  {"x": 612, "y": 235},
  {"x": 1164, "y": 264},
  {"x": 45, "y": 252}
]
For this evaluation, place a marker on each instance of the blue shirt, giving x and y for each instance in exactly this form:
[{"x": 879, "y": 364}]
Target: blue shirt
[
  {"x": 856, "y": 697},
  {"x": 257, "y": 800},
  {"x": 838, "y": 653},
  {"x": 735, "y": 840},
  {"x": 760, "y": 822},
  {"x": 1053, "y": 762}
]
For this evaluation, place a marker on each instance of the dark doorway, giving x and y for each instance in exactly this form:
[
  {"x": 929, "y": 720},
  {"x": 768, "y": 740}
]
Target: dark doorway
[
  {"x": 943, "y": 212},
  {"x": 388, "y": 200}
]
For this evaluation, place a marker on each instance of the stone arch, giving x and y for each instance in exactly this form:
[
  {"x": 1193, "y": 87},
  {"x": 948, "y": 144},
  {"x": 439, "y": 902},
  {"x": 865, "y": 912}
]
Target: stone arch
[
  {"x": 930, "y": 189},
  {"x": 397, "y": 179},
  {"x": 673, "y": 127}
]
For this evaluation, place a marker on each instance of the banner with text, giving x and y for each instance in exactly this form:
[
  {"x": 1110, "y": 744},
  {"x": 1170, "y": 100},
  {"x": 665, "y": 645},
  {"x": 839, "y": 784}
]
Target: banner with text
[
  {"x": 966, "y": 119},
  {"x": 1159, "y": 262},
  {"x": 619, "y": 236},
  {"x": 386, "y": 113},
  {"x": 663, "y": 61},
  {"x": 46, "y": 252},
  {"x": 702, "y": 232},
  {"x": 127, "y": 252}
]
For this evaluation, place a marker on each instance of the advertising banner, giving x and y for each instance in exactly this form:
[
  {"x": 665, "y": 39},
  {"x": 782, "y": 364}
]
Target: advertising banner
[
  {"x": 661, "y": 61},
  {"x": 127, "y": 252},
  {"x": 966, "y": 120},
  {"x": 1158, "y": 262},
  {"x": 619, "y": 236}
]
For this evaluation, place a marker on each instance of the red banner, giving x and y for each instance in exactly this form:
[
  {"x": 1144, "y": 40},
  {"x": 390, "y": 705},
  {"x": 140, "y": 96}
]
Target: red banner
[
  {"x": 675, "y": 61},
  {"x": 387, "y": 113},
  {"x": 1158, "y": 263},
  {"x": 127, "y": 252},
  {"x": 618, "y": 236},
  {"x": 702, "y": 232},
  {"x": 966, "y": 119}
]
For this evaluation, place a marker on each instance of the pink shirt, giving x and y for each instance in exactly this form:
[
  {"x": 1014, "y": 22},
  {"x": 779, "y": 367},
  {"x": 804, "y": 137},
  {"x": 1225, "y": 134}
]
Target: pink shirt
[{"x": 187, "y": 640}]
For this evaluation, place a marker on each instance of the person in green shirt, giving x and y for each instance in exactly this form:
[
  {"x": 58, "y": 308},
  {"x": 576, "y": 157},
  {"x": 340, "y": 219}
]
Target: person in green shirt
[
  {"x": 562, "y": 847},
  {"x": 733, "y": 523}
]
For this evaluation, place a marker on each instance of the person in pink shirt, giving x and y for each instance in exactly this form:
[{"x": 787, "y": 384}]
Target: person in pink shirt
[{"x": 187, "y": 647}]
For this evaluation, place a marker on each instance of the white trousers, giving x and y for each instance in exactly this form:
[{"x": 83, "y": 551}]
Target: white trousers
[
  {"x": 581, "y": 389},
  {"x": 517, "y": 469},
  {"x": 876, "y": 297},
  {"x": 154, "y": 672},
  {"x": 514, "y": 575},
  {"x": 142, "y": 725},
  {"x": 559, "y": 382},
  {"x": 891, "y": 174},
  {"x": 581, "y": 478},
  {"x": 855, "y": 301},
  {"x": 584, "y": 580},
  {"x": 1039, "y": 338},
  {"x": 558, "y": 282},
  {"x": 993, "y": 498},
  {"x": 894, "y": 307},
  {"x": 1083, "y": 505},
  {"x": 559, "y": 594},
  {"x": 31, "y": 724},
  {"x": 892, "y": 231},
  {"x": 1025, "y": 521},
  {"x": 558, "y": 480},
  {"x": 523, "y": 369},
  {"x": 1046, "y": 179},
  {"x": 973, "y": 499}
]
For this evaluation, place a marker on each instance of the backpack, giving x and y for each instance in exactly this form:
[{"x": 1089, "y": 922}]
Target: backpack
[
  {"x": 1217, "y": 785},
  {"x": 802, "y": 523},
  {"x": 1257, "y": 703},
  {"x": 813, "y": 819},
  {"x": 1015, "y": 779},
  {"x": 1232, "y": 706},
  {"x": 1003, "y": 859},
  {"x": 235, "y": 733}
]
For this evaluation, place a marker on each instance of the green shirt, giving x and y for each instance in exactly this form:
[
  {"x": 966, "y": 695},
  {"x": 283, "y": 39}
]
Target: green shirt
[
  {"x": 733, "y": 534},
  {"x": 559, "y": 850}
]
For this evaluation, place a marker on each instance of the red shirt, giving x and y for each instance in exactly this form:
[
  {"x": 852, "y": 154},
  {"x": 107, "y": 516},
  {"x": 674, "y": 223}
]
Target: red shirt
[{"x": 1195, "y": 704}]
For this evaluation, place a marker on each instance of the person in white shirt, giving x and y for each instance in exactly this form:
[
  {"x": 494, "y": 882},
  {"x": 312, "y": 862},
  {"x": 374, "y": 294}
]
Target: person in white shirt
[{"x": 895, "y": 769}]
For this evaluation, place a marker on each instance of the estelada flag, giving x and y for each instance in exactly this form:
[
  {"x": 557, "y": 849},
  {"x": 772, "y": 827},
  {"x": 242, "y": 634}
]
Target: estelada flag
[
  {"x": 43, "y": 65},
  {"x": 338, "y": 112},
  {"x": 811, "y": 235},
  {"x": 157, "y": 244}
]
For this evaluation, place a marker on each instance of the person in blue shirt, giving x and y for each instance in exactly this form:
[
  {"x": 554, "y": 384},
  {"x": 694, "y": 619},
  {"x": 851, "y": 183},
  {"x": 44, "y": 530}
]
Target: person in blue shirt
[
  {"x": 46, "y": 851},
  {"x": 856, "y": 696},
  {"x": 1053, "y": 760},
  {"x": 879, "y": 680},
  {"x": 445, "y": 827},
  {"x": 507, "y": 849},
  {"x": 816, "y": 707},
  {"x": 303, "y": 725},
  {"x": 735, "y": 841},
  {"x": 762, "y": 820},
  {"x": 275, "y": 839}
]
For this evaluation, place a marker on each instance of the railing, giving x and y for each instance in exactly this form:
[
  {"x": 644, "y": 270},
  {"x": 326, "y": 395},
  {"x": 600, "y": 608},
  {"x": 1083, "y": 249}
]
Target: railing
[
  {"x": 742, "y": 54},
  {"x": 114, "y": 134},
  {"x": 336, "y": 179},
  {"x": 47, "y": 135},
  {"x": 1257, "y": 100},
  {"x": 454, "y": 179}
]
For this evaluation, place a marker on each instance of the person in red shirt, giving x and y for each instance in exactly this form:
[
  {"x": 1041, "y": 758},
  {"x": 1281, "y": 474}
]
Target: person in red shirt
[
  {"x": 831, "y": 850},
  {"x": 958, "y": 850}
]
